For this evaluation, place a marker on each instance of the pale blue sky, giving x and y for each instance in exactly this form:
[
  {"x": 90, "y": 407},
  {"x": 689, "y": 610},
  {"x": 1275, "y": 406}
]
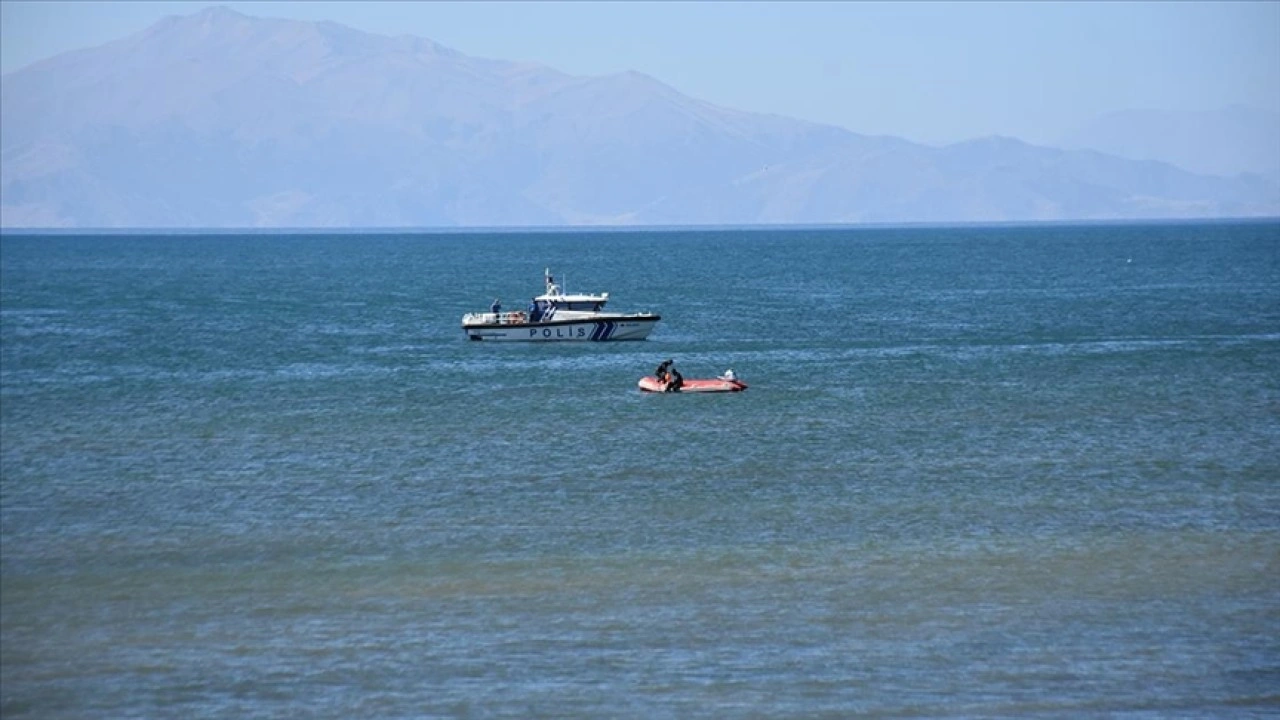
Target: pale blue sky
[{"x": 930, "y": 72}]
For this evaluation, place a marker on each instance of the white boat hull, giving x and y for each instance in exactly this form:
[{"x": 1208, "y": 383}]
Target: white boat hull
[{"x": 635, "y": 327}]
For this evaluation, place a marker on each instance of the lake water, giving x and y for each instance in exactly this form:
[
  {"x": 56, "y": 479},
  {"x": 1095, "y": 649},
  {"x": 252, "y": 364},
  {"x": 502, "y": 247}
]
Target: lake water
[{"x": 979, "y": 472}]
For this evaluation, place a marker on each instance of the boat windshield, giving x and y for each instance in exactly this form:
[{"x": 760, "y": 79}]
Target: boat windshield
[
  {"x": 579, "y": 305},
  {"x": 542, "y": 309}
]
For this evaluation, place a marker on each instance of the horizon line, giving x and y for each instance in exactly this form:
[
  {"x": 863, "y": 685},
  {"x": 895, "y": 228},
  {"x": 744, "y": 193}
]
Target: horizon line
[{"x": 620, "y": 229}]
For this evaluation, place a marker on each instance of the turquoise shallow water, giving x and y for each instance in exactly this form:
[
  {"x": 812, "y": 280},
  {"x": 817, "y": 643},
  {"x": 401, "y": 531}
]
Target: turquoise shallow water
[{"x": 980, "y": 472}]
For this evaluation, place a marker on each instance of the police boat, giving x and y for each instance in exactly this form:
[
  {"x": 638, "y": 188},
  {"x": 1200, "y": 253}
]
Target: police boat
[{"x": 559, "y": 316}]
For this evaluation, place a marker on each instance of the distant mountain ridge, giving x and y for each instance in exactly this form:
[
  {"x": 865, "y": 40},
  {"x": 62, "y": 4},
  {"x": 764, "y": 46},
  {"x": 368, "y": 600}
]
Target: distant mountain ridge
[
  {"x": 218, "y": 119},
  {"x": 1227, "y": 141}
]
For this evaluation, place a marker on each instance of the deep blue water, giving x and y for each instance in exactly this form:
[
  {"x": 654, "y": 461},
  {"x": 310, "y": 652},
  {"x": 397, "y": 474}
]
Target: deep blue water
[{"x": 979, "y": 472}]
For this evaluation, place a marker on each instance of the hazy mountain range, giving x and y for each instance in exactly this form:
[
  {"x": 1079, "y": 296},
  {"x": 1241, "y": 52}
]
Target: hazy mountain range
[
  {"x": 222, "y": 120},
  {"x": 1227, "y": 141}
]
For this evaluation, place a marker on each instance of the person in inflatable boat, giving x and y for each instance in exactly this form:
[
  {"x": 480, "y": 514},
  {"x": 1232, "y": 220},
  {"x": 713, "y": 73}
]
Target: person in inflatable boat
[
  {"x": 674, "y": 380},
  {"x": 661, "y": 372}
]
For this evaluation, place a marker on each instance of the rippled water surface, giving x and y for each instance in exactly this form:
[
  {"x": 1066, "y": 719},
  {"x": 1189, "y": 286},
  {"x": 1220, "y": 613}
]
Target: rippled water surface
[{"x": 979, "y": 472}]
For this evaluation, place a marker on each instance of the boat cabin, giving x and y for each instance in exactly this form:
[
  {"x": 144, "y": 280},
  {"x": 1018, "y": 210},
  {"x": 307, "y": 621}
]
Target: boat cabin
[{"x": 546, "y": 305}]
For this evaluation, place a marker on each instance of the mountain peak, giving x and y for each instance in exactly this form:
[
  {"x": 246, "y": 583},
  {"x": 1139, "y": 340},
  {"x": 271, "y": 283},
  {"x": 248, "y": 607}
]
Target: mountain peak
[
  {"x": 217, "y": 17},
  {"x": 211, "y": 21},
  {"x": 219, "y": 119}
]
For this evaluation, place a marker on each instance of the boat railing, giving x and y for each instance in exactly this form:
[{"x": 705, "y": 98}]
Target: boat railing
[{"x": 507, "y": 318}]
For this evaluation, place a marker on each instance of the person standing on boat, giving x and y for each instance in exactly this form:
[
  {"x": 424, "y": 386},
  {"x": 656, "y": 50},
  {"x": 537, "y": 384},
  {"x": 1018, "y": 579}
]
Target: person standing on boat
[
  {"x": 495, "y": 309},
  {"x": 661, "y": 372}
]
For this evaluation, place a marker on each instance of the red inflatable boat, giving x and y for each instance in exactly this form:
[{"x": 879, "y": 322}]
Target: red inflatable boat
[{"x": 650, "y": 383}]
